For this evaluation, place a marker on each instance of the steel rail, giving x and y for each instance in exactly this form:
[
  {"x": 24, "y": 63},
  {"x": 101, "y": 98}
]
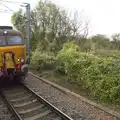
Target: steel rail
[
  {"x": 10, "y": 106},
  {"x": 40, "y": 99},
  {"x": 55, "y": 109}
]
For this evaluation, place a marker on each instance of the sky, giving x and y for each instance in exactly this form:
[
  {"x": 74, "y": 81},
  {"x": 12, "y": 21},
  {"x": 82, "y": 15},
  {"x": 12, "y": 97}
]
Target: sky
[
  {"x": 5, "y": 18},
  {"x": 104, "y": 15}
]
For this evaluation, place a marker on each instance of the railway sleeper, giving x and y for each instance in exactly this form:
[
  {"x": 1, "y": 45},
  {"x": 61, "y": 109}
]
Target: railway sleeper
[{"x": 27, "y": 105}]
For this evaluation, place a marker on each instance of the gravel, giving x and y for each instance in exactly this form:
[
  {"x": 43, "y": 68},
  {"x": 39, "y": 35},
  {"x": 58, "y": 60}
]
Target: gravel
[
  {"x": 5, "y": 114},
  {"x": 73, "y": 107}
]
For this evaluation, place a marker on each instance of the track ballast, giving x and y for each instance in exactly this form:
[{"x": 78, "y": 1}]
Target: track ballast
[{"x": 25, "y": 104}]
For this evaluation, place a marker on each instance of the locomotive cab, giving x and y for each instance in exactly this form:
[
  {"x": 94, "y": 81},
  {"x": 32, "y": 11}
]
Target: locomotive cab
[{"x": 12, "y": 54}]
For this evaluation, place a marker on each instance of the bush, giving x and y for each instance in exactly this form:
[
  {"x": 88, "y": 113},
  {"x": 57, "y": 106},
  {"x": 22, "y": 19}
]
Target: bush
[
  {"x": 60, "y": 67},
  {"x": 103, "y": 80},
  {"x": 100, "y": 75},
  {"x": 74, "y": 61},
  {"x": 43, "y": 60},
  {"x": 66, "y": 56}
]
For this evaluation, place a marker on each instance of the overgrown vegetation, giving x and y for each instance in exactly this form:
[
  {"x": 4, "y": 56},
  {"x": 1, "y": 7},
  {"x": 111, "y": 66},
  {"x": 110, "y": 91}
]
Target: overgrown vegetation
[
  {"x": 99, "y": 75},
  {"x": 61, "y": 44},
  {"x": 42, "y": 60}
]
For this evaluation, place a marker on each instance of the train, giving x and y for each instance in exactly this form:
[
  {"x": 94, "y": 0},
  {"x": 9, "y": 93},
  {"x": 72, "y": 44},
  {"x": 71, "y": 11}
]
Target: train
[{"x": 13, "y": 58}]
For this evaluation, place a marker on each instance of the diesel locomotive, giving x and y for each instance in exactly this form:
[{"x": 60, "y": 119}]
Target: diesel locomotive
[{"x": 13, "y": 63}]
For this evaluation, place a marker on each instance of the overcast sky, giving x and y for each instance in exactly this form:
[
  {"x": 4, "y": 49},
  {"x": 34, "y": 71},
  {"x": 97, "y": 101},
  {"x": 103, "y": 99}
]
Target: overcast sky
[
  {"x": 104, "y": 15},
  {"x": 5, "y": 18}
]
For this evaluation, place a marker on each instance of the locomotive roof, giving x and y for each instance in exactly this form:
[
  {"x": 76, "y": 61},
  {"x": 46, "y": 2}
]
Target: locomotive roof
[{"x": 6, "y": 27}]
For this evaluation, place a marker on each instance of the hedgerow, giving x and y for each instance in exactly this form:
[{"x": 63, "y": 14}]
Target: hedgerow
[{"x": 99, "y": 75}]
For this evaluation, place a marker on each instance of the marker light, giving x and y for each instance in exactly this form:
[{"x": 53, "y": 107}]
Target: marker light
[{"x": 18, "y": 60}]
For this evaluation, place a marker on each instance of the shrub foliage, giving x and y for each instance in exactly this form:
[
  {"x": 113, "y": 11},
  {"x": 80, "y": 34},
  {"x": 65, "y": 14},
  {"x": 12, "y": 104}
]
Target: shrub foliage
[
  {"x": 99, "y": 75},
  {"x": 42, "y": 60}
]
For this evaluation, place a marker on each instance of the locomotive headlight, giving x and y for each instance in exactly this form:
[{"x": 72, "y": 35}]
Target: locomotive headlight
[
  {"x": 5, "y": 32},
  {"x": 22, "y": 60},
  {"x": 18, "y": 60}
]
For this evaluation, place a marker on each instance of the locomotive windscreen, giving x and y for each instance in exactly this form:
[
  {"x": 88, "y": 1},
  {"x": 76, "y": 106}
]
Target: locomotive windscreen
[
  {"x": 14, "y": 40},
  {"x": 10, "y": 40},
  {"x": 2, "y": 40}
]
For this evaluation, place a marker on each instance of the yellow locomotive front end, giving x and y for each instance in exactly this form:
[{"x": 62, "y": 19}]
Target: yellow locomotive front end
[{"x": 12, "y": 54}]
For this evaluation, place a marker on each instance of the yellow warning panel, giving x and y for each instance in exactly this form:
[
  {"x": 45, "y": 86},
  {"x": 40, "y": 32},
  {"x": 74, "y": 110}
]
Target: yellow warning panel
[
  {"x": 19, "y": 51},
  {"x": 9, "y": 61},
  {"x": 1, "y": 59}
]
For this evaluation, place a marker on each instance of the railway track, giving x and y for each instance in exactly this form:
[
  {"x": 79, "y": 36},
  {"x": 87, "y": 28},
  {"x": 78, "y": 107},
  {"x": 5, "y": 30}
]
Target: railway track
[{"x": 25, "y": 104}]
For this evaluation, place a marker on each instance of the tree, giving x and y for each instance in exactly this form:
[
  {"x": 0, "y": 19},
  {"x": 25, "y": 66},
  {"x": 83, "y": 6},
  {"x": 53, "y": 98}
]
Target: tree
[
  {"x": 51, "y": 26},
  {"x": 79, "y": 25},
  {"x": 101, "y": 41},
  {"x": 116, "y": 41},
  {"x": 18, "y": 20}
]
